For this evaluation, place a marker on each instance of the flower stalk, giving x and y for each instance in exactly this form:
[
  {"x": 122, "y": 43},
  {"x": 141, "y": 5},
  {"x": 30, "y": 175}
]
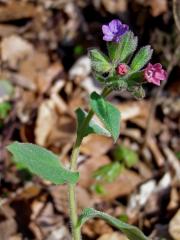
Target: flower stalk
[{"x": 76, "y": 233}]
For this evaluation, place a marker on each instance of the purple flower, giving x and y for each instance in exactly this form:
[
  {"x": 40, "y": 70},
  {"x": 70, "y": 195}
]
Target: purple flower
[
  {"x": 155, "y": 73},
  {"x": 114, "y": 30}
]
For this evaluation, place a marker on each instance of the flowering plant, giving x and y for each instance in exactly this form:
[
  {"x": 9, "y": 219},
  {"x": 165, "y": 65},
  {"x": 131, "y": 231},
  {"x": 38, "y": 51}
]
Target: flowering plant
[{"x": 117, "y": 70}]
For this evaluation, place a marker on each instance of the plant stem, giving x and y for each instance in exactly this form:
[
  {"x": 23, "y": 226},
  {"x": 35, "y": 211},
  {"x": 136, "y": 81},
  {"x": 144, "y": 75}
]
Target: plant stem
[{"x": 76, "y": 234}]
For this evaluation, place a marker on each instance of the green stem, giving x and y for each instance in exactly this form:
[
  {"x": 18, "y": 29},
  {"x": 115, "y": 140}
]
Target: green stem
[{"x": 76, "y": 234}]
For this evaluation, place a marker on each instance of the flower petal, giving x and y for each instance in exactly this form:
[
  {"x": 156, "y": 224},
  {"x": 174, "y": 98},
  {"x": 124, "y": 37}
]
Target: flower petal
[
  {"x": 157, "y": 66},
  {"x": 123, "y": 29},
  {"x": 115, "y": 25},
  {"x": 106, "y": 30},
  {"x": 107, "y": 38},
  {"x": 160, "y": 75},
  {"x": 156, "y": 82}
]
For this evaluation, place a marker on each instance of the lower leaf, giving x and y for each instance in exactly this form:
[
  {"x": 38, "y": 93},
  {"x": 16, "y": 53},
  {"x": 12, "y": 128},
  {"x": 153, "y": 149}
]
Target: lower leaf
[
  {"x": 41, "y": 162},
  {"x": 133, "y": 233}
]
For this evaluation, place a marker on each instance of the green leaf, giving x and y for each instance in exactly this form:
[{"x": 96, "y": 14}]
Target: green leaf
[
  {"x": 135, "y": 78},
  {"x": 99, "y": 61},
  {"x": 99, "y": 77},
  {"x": 109, "y": 172},
  {"x": 92, "y": 127},
  {"x": 178, "y": 155},
  {"x": 141, "y": 58},
  {"x": 118, "y": 52},
  {"x": 6, "y": 88},
  {"x": 117, "y": 83},
  {"x": 107, "y": 113},
  {"x": 132, "y": 232},
  {"x": 123, "y": 218},
  {"x": 98, "y": 188},
  {"x": 41, "y": 162},
  {"x": 126, "y": 82},
  {"x": 5, "y": 107},
  {"x": 138, "y": 92},
  {"x": 125, "y": 155}
]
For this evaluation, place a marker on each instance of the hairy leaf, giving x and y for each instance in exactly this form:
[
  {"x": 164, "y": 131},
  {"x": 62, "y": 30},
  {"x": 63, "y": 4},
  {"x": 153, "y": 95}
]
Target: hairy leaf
[
  {"x": 118, "y": 52},
  {"x": 107, "y": 113},
  {"x": 41, "y": 162},
  {"x": 133, "y": 233},
  {"x": 99, "y": 61},
  {"x": 141, "y": 58},
  {"x": 92, "y": 127},
  {"x": 135, "y": 78},
  {"x": 138, "y": 92},
  {"x": 117, "y": 82}
]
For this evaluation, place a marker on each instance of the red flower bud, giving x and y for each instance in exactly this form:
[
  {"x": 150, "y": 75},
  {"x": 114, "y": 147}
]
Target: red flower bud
[{"x": 122, "y": 69}]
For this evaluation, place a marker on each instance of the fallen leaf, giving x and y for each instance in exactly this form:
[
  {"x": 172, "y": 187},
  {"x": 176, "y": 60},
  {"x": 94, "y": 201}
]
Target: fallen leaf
[
  {"x": 87, "y": 169},
  {"x": 174, "y": 226},
  {"x": 7, "y": 228},
  {"x": 46, "y": 121},
  {"x": 20, "y": 10},
  {"x": 101, "y": 145},
  {"x": 60, "y": 198},
  {"x": 113, "y": 236},
  {"x": 124, "y": 185},
  {"x": 115, "y": 6},
  {"x": 14, "y": 48}
]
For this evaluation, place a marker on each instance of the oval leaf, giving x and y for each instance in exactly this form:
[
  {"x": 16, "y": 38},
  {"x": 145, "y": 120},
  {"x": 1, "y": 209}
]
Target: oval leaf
[
  {"x": 141, "y": 58},
  {"x": 118, "y": 52},
  {"x": 133, "y": 233},
  {"x": 107, "y": 113},
  {"x": 41, "y": 162},
  {"x": 99, "y": 61}
]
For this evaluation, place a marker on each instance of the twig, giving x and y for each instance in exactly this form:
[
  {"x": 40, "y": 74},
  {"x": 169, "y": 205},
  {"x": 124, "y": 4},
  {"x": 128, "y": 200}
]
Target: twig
[{"x": 175, "y": 10}]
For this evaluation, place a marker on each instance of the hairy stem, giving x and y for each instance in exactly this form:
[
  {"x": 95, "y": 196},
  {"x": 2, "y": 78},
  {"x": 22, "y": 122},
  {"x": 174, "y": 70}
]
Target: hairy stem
[
  {"x": 72, "y": 187},
  {"x": 76, "y": 234}
]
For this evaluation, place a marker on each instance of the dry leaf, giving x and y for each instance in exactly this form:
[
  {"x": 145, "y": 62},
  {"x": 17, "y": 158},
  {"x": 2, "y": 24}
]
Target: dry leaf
[
  {"x": 14, "y": 49},
  {"x": 158, "y": 7},
  {"x": 87, "y": 168},
  {"x": 96, "y": 227},
  {"x": 7, "y": 228},
  {"x": 174, "y": 226},
  {"x": 113, "y": 236},
  {"x": 17, "y": 10},
  {"x": 60, "y": 198},
  {"x": 81, "y": 68},
  {"x": 95, "y": 145},
  {"x": 113, "y": 6},
  {"x": 124, "y": 185},
  {"x": 46, "y": 121}
]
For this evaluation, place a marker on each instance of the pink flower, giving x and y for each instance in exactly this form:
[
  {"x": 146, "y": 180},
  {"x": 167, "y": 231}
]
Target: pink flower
[
  {"x": 155, "y": 73},
  {"x": 122, "y": 69}
]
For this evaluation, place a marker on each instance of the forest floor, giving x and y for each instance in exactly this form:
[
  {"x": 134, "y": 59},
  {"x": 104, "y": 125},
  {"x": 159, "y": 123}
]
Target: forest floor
[{"x": 45, "y": 74}]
